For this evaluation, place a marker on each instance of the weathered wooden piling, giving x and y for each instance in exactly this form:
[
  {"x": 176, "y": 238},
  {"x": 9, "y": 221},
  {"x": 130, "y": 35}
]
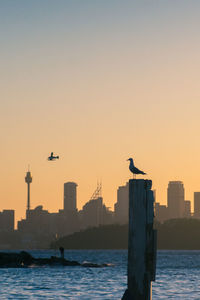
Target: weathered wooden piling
[{"x": 142, "y": 241}]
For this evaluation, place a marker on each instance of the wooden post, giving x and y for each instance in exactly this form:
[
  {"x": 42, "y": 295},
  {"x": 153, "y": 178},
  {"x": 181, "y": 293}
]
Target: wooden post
[{"x": 142, "y": 241}]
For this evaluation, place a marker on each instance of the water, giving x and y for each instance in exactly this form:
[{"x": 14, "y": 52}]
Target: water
[{"x": 178, "y": 277}]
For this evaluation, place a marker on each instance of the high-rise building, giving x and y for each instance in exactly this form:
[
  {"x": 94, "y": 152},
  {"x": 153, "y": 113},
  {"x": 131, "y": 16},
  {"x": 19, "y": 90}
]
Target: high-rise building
[
  {"x": 161, "y": 212},
  {"x": 91, "y": 213},
  {"x": 94, "y": 213},
  {"x": 197, "y": 204},
  {"x": 7, "y": 220},
  {"x": 70, "y": 196},
  {"x": 121, "y": 207},
  {"x": 187, "y": 209},
  {"x": 175, "y": 199}
]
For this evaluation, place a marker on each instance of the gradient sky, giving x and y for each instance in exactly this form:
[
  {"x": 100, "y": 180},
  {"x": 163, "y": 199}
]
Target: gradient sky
[{"x": 97, "y": 82}]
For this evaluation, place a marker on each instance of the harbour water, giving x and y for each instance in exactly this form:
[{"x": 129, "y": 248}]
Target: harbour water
[{"x": 178, "y": 277}]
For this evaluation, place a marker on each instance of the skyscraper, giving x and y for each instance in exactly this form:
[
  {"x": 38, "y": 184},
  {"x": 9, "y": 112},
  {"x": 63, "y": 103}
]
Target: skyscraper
[
  {"x": 197, "y": 204},
  {"x": 187, "y": 209},
  {"x": 70, "y": 197},
  {"x": 175, "y": 199},
  {"x": 121, "y": 207},
  {"x": 91, "y": 213},
  {"x": 7, "y": 220},
  {"x": 161, "y": 212}
]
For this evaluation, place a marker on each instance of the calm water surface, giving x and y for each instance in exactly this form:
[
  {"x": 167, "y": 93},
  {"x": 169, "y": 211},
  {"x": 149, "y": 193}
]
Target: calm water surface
[{"x": 178, "y": 277}]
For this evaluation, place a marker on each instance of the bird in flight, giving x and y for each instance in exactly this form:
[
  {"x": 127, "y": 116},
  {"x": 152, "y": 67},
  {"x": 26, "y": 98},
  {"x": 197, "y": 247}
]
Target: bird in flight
[
  {"x": 133, "y": 169},
  {"x": 52, "y": 157}
]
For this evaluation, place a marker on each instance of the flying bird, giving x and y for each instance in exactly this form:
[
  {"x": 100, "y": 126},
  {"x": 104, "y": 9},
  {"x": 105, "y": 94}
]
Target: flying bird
[
  {"x": 133, "y": 169},
  {"x": 52, "y": 157}
]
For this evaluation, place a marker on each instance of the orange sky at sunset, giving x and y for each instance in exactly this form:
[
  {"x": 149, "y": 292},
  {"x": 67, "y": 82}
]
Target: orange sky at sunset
[{"x": 97, "y": 82}]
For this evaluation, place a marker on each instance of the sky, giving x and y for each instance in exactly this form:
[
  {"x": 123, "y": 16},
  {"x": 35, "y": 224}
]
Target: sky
[{"x": 97, "y": 82}]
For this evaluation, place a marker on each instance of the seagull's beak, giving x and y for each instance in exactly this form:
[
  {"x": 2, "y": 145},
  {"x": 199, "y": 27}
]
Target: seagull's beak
[{"x": 127, "y": 159}]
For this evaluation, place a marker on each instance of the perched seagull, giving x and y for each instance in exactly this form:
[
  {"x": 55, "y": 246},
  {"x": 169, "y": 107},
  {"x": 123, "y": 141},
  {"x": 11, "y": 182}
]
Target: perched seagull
[
  {"x": 133, "y": 169},
  {"x": 52, "y": 157}
]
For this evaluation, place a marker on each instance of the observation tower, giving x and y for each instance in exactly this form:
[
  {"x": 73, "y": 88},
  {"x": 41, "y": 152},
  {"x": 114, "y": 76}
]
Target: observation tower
[{"x": 28, "y": 180}]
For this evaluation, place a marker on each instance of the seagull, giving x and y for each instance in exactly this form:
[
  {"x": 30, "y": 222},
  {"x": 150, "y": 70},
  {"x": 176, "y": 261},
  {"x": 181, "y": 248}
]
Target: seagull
[
  {"x": 133, "y": 169},
  {"x": 52, "y": 157}
]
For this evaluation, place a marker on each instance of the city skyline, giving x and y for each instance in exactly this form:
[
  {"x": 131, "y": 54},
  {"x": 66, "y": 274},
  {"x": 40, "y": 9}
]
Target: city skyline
[
  {"x": 33, "y": 204},
  {"x": 40, "y": 226},
  {"x": 98, "y": 92},
  {"x": 70, "y": 200}
]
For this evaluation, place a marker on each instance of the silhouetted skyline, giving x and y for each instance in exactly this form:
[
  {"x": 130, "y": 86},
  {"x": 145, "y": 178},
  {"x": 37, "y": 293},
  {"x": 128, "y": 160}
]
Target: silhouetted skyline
[
  {"x": 94, "y": 212},
  {"x": 97, "y": 82}
]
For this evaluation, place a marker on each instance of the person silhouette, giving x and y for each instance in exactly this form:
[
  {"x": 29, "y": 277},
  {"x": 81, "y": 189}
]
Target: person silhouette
[{"x": 62, "y": 252}]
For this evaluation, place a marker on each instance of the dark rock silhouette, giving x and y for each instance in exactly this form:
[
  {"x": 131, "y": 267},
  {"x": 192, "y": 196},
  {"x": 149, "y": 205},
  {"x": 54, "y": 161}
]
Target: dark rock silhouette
[{"x": 24, "y": 259}]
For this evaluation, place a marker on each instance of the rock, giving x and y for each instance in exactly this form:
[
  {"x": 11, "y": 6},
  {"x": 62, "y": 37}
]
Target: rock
[
  {"x": 25, "y": 259},
  {"x": 15, "y": 260}
]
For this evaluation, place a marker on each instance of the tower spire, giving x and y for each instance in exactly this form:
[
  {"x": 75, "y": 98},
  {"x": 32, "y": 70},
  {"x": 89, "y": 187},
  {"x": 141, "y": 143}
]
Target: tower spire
[{"x": 28, "y": 180}]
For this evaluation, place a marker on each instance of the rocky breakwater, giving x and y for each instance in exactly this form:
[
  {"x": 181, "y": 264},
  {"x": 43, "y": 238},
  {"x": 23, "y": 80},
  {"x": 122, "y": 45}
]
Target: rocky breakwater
[{"x": 24, "y": 259}]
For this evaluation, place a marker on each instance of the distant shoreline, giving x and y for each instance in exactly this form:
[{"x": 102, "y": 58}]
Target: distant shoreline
[
  {"x": 46, "y": 250},
  {"x": 175, "y": 234}
]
